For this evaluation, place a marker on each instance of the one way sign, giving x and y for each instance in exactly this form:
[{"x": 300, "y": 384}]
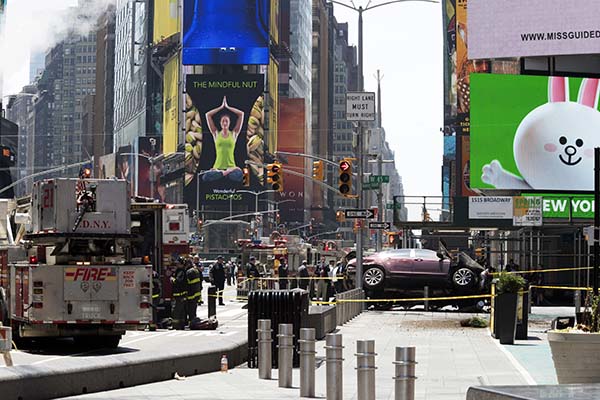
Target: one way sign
[
  {"x": 358, "y": 213},
  {"x": 380, "y": 225}
]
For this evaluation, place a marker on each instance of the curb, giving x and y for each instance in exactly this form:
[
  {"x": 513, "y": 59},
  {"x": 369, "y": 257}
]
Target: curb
[{"x": 30, "y": 382}]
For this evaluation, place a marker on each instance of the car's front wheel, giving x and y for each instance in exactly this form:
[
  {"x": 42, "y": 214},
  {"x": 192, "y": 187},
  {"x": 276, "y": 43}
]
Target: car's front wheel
[
  {"x": 373, "y": 278},
  {"x": 463, "y": 278}
]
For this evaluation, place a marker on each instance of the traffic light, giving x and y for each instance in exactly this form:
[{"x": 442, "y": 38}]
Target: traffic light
[
  {"x": 246, "y": 179},
  {"x": 85, "y": 172},
  {"x": 345, "y": 177},
  {"x": 340, "y": 216},
  {"x": 275, "y": 176},
  {"x": 318, "y": 172}
]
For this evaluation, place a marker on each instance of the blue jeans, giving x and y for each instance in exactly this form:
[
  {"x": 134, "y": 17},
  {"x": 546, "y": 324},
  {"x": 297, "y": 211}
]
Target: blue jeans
[{"x": 215, "y": 175}]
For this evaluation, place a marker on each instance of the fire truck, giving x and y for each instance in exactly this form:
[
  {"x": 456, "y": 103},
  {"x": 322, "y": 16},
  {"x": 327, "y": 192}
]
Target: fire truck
[
  {"x": 80, "y": 278},
  {"x": 162, "y": 234}
]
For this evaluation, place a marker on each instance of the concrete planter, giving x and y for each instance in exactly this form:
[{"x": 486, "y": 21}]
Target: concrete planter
[
  {"x": 576, "y": 356},
  {"x": 506, "y": 317}
]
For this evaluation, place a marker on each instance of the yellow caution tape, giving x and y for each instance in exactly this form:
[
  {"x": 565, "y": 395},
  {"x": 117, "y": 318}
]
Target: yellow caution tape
[
  {"x": 476, "y": 296},
  {"x": 560, "y": 287},
  {"x": 534, "y": 271}
]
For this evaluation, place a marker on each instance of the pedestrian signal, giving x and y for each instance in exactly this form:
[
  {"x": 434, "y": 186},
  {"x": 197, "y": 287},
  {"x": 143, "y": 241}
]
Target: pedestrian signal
[
  {"x": 345, "y": 177},
  {"x": 318, "y": 173},
  {"x": 275, "y": 176},
  {"x": 246, "y": 178}
]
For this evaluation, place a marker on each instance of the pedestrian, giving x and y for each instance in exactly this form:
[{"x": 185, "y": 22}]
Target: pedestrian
[
  {"x": 218, "y": 273},
  {"x": 537, "y": 279},
  {"x": 283, "y": 274},
  {"x": 252, "y": 273},
  {"x": 331, "y": 274},
  {"x": 194, "y": 290},
  {"x": 179, "y": 284},
  {"x": 322, "y": 275},
  {"x": 339, "y": 277},
  {"x": 511, "y": 266},
  {"x": 228, "y": 273},
  {"x": 303, "y": 276},
  {"x": 200, "y": 268}
]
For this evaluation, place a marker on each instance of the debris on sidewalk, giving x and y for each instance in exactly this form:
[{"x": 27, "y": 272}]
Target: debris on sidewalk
[{"x": 179, "y": 378}]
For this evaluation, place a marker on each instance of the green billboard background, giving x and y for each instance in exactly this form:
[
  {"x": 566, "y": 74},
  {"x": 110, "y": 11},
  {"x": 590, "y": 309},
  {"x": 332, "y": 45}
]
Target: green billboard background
[{"x": 498, "y": 105}]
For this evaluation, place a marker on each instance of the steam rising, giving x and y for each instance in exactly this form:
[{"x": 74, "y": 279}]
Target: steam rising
[{"x": 37, "y": 25}]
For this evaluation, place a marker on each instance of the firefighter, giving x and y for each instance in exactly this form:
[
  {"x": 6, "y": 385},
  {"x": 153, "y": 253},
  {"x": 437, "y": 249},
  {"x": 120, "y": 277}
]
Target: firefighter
[
  {"x": 303, "y": 276},
  {"x": 283, "y": 274},
  {"x": 252, "y": 273},
  {"x": 194, "y": 289},
  {"x": 179, "y": 296},
  {"x": 156, "y": 292},
  {"x": 217, "y": 273}
]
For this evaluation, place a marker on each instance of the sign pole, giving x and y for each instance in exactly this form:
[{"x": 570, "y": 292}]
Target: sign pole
[{"x": 596, "y": 216}]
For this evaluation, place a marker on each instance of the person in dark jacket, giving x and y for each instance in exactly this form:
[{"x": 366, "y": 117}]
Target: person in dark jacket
[
  {"x": 252, "y": 273},
  {"x": 322, "y": 273},
  {"x": 303, "y": 276},
  {"x": 218, "y": 275},
  {"x": 194, "y": 290},
  {"x": 179, "y": 282},
  {"x": 283, "y": 271}
]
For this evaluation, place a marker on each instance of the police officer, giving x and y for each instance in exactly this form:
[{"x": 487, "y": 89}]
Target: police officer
[
  {"x": 303, "y": 276},
  {"x": 252, "y": 273},
  {"x": 218, "y": 277},
  {"x": 283, "y": 274},
  {"x": 179, "y": 282},
  {"x": 194, "y": 290},
  {"x": 200, "y": 268}
]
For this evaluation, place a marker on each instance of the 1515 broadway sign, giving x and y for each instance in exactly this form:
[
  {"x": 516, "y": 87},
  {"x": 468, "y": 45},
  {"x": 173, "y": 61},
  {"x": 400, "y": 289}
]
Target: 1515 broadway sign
[{"x": 490, "y": 207}]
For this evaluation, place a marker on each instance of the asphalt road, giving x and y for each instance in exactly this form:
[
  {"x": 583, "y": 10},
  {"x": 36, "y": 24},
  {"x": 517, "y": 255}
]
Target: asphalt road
[{"x": 232, "y": 322}]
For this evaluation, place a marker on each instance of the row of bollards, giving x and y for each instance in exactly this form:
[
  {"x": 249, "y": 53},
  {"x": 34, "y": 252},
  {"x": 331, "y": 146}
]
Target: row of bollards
[
  {"x": 405, "y": 363},
  {"x": 348, "y": 305}
]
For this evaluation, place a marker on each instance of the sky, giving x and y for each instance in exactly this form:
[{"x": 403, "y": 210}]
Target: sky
[{"x": 403, "y": 40}]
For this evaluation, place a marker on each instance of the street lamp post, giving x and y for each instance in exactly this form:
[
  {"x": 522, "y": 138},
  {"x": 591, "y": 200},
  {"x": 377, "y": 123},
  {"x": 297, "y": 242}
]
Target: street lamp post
[
  {"x": 359, "y": 145},
  {"x": 256, "y": 194}
]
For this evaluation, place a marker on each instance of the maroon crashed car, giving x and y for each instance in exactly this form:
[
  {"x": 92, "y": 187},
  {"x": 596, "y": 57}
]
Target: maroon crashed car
[{"x": 406, "y": 269}]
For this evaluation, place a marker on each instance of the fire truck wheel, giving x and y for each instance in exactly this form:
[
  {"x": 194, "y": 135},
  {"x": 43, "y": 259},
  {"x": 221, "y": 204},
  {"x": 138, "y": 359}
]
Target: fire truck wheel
[{"x": 110, "y": 342}]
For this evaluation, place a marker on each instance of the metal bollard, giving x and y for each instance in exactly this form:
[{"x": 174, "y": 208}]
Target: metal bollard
[
  {"x": 426, "y": 295},
  {"x": 334, "y": 359},
  {"x": 212, "y": 301},
  {"x": 264, "y": 348},
  {"x": 343, "y": 305},
  {"x": 308, "y": 363},
  {"x": 285, "y": 355},
  {"x": 365, "y": 369},
  {"x": 405, "y": 373}
]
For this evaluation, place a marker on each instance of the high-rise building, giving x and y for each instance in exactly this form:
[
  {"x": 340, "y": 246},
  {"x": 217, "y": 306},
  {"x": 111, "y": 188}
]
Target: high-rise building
[
  {"x": 321, "y": 109},
  {"x": 102, "y": 139},
  {"x": 21, "y": 111},
  {"x": 36, "y": 65},
  {"x": 131, "y": 72}
]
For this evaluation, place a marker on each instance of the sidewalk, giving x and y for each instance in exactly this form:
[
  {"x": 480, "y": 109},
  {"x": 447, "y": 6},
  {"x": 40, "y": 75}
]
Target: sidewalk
[{"x": 451, "y": 359}]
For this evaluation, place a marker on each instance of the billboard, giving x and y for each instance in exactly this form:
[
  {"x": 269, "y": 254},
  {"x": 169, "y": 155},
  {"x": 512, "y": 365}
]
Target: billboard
[
  {"x": 126, "y": 165},
  {"x": 166, "y": 21},
  {"x": 533, "y": 132},
  {"x": 465, "y": 167},
  {"x": 450, "y": 59},
  {"x": 107, "y": 165},
  {"x": 292, "y": 126},
  {"x": 516, "y": 28},
  {"x": 226, "y": 32},
  {"x": 170, "y": 105},
  {"x": 149, "y": 147},
  {"x": 224, "y": 129}
]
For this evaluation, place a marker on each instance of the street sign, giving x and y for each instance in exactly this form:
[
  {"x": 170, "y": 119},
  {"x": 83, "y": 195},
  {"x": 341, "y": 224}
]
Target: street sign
[
  {"x": 390, "y": 206},
  {"x": 380, "y": 225},
  {"x": 379, "y": 179},
  {"x": 358, "y": 213},
  {"x": 360, "y": 106},
  {"x": 370, "y": 185}
]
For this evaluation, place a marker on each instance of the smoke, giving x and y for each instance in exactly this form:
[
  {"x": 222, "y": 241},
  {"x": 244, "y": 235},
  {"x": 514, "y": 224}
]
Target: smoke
[{"x": 33, "y": 26}]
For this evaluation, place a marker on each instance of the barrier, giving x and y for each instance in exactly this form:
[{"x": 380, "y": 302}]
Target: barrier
[
  {"x": 404, "y": 380},
  {"x": 334, "y": 364},
  {"x": 285, "y": 345},
  {"x": 365, "y": 369},
  {"x": 264, "y": 348},
  {"x": 307, "y": 362}
]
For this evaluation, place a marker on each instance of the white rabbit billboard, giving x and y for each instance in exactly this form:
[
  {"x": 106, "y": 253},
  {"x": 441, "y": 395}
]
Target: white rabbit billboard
[
  {"x": 533, "y": 132},
  {"x": 517, "y": 28}
]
